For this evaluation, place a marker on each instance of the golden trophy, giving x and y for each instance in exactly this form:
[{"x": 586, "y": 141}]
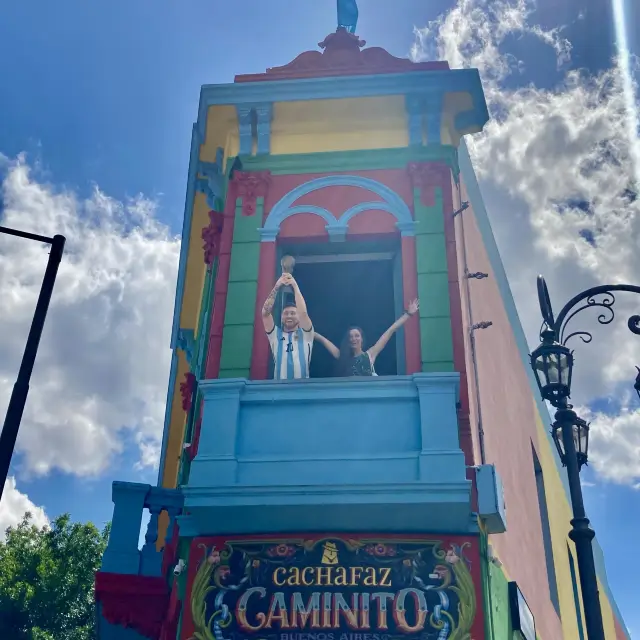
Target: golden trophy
[
  {"x": 288, "y": 296},
  {"x": 287, "y": 263}
]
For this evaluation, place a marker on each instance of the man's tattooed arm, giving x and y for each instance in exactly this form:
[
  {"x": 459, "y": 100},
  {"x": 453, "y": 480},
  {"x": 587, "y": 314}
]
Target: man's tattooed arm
[{"x": 270, "y": 301}]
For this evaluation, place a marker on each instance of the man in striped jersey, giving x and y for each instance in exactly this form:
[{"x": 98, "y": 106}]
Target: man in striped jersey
[{"x": 291, "y": 342}]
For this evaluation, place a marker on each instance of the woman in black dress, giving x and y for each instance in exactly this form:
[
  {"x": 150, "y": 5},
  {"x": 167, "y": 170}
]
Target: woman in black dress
[{"x": 351, "y": 357}]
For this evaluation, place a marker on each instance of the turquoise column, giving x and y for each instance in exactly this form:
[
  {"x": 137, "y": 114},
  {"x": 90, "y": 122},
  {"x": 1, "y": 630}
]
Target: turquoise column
[{"x": 121, "y": 554}]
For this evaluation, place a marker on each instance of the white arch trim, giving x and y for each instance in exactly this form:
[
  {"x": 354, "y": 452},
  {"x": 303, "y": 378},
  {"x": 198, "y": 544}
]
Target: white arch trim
[{"x": 391, "y": 202}]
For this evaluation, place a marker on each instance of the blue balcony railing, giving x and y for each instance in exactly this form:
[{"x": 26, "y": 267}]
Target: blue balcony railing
[
  {"x": 346, "y": 454},
  {"x": 130, "y": 499}
]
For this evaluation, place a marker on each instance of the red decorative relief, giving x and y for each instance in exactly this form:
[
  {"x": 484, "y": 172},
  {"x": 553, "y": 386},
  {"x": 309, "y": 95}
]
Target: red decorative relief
[
  {"x": 343, "y": 55},
  {"x": 251, "y": 185},
  {"x": 211, "y": 237},
  {"x": 134, "y": 602},
  {"x": 186, "y": 390},
  {"x": 426, "y": 176}
]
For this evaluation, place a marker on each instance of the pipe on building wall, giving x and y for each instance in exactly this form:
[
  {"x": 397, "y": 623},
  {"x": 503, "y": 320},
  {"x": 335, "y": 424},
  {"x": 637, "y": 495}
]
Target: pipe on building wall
[{"x": 472, "y": 338}]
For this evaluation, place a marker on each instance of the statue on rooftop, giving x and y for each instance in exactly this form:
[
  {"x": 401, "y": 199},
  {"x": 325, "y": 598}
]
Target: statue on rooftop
[{"x": 347, "y": 15}]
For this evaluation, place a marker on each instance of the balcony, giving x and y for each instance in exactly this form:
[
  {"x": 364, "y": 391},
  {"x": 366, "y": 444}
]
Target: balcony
[
  {"x": 377, "y": 454},
  {"x": 133, "y": 600}
]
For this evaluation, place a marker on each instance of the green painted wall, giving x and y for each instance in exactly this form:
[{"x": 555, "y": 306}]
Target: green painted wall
[
  {"x": 332, "y": 161},
  {"x": 495, "y": 590},
  {"x": 433, "y": 285},
  {"x": 237, "y": 338},
  {"x": 183, "y": 552},
  {"x": 499, "y": 615}
]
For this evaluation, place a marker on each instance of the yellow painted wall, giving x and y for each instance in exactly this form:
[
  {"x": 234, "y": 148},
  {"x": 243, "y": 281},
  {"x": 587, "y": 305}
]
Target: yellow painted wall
[
  {"x": 196, "y": 268},
  {"x": 559, "y": 521},
  {"x": 315, "y": 126},
  {"x": 221, "y": 120},
  {"x": 339, "y": 125},
  {"x": 221, "y": 129},
  {"x": 176, "y": 432}
]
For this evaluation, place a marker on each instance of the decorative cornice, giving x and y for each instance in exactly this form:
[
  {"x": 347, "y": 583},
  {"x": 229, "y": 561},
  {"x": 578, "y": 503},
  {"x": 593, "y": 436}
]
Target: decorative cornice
[
  {"x": 251, "y": 185},
  {"x": 131, "y": 601},
  {"x": 211, "y": 237},
  {"x": 212, "y": 184},
  {"x": 186, "y": 342},
  {"x": 264, "y": 116},
  {"x": 426, "y": 176},
  {"x": 245, "y": 134},
  {"x": 338, "y": 161},
  {"x": 327, "y": 88},
  {"x": 342, "y": 55}
]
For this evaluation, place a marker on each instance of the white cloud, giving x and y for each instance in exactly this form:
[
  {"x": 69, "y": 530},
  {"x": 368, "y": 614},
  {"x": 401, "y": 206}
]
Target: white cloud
[
  {"x": 614, "y": 442},
  {"x": 103, "y": 361},
  {"x": 557, "y": 164},
  {"x": 14, "y": 505}
]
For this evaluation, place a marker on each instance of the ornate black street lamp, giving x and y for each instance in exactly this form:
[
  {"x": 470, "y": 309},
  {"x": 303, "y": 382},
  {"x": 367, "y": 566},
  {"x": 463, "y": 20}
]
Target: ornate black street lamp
[
  {"x": 552, "y": 364},
  {"x": 20, "y": 391}
]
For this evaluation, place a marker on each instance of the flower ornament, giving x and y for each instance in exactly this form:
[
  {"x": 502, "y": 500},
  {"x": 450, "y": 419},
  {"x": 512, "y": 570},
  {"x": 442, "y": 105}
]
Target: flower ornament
[
  {"x": 281, "y": 551},
  {"x": 451, "y": 556},
  {"x": 380, "y": 550}
]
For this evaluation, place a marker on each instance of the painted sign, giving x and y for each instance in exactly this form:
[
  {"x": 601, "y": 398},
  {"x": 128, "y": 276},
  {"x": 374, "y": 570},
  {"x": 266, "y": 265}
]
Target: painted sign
[{"x": 333, "y": 588}]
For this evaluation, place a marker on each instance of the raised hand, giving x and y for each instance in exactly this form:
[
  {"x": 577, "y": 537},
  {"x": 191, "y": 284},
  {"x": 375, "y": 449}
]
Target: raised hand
[
  {"x": 283, "y": 280},
  {"x": 413, "y": 307},
  {"x": 288, "y": 280}
]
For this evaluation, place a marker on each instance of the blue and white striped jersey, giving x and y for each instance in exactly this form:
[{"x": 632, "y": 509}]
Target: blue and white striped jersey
[{"x": 291, "y": 352}]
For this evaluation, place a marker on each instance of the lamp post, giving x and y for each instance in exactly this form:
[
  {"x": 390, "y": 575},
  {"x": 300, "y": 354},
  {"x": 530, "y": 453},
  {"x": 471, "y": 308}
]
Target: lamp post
[
  {"x": 552, "y": 364},
  {"x": 21, "y": 387}
]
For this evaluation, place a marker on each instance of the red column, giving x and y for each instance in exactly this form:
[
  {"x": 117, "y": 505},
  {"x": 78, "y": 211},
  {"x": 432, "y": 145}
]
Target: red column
[
  {"x": 219, "y": 301},
  {"x": 410, "y": 291},
  {"x": 260, "y": 356}
]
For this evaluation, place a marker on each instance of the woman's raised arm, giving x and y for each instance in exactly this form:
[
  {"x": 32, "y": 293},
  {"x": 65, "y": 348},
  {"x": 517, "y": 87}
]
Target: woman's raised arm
[
  {"x": 412, "y": 309},
  {"x": 328, "y": 345}
]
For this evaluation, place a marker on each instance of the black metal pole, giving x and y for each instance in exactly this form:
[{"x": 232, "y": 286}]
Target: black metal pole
[
  {"x": 21, "y": 387},
  {"x": 581, "y": 533}
]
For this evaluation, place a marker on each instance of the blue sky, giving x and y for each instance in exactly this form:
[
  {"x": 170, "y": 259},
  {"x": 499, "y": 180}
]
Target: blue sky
[{"x": 104, "y": 93}]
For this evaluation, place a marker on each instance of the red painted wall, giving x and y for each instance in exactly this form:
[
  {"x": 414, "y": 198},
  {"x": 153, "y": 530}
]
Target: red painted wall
[
  {"x": 509, "y": 429},
  {"x": 219, "y": 298}
]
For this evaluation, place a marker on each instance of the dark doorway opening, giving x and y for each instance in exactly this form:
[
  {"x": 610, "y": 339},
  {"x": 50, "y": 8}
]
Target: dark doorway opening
[{"x": 344, "y": 291}]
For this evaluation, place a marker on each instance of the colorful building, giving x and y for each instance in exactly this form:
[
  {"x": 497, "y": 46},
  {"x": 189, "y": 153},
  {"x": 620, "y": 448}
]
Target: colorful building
[{"x": 426, "y": 502}]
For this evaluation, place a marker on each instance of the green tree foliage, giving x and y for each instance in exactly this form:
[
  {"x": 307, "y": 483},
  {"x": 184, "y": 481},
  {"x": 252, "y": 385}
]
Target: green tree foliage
[{"x": 47, "y": 580}]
